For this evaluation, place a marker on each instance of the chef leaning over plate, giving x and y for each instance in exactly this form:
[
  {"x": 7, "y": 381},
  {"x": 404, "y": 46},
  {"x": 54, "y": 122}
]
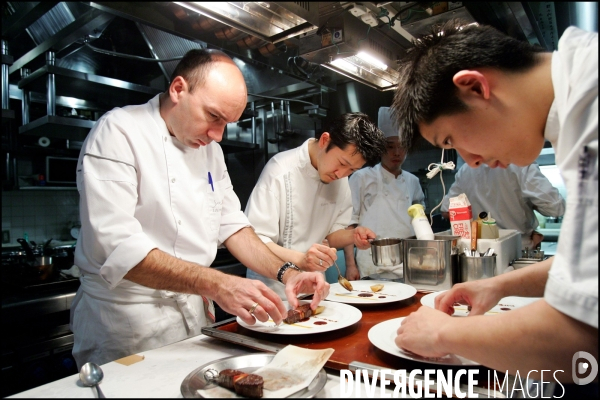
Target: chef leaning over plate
[
  {"x": 380, "y": 197},
  {"x": 302, "y": 195},
  {"x": 156, "y": 201},
  {"x": 495, "y": 99}
]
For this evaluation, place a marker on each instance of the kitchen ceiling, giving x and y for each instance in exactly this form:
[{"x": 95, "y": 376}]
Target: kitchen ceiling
[{"x": 305, "y": 47}]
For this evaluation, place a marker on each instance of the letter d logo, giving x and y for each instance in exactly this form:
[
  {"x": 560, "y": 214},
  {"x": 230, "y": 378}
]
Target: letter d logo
[{"x": 580, "y": 367}]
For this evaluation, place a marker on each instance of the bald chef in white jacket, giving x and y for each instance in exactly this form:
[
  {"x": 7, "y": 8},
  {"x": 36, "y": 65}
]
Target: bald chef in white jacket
[
  {"x": 380, "y": 199},
  {"x": 156, "y": 201}
]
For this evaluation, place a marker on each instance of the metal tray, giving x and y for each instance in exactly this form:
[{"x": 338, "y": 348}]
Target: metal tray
[{"x": 200, "y": 378}]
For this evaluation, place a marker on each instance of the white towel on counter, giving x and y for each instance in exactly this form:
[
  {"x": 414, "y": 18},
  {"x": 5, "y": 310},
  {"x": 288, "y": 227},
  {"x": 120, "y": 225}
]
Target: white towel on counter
[{"x": 71, "y": 272}]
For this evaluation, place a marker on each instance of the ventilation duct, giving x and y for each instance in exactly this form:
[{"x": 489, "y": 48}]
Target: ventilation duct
[
  {"x": 354, "y": 49},
  {"x": 268, "y": 21}
]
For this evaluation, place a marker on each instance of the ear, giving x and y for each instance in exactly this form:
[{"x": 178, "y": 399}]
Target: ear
[
  {"x": 177, "y": 87},
  {"x": 471, "y": 82},
  {"x": 324, "y": 140}
]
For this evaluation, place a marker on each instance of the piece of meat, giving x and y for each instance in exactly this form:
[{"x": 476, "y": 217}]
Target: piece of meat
[
  {"x": 250, "y": 385},
  {"x": 227, "y": 377},
  {"x": 298, "y": 314}
]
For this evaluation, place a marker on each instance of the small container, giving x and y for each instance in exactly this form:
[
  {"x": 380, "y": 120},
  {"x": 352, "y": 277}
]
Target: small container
[
  {"x": 489, "y": 229},
  {"x": 420, "y": 222},
  {"x": 475, "y": 268}
]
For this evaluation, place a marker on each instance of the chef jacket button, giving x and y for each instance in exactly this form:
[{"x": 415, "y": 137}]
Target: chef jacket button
[
  {"x": 173, "y": 180},
  {"x": 165, "y": 138},
  {"x": 179, "y": 222}
]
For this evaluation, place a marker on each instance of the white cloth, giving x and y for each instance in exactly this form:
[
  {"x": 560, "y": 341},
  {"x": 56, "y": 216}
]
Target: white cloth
[
  {"x": 291, "y": 207},
  {"x": 509, "y": 195},
  {"x": 142, "y": 189},
  {"x": 380, "y": 201},
  {"x": 572, "y": 286}
]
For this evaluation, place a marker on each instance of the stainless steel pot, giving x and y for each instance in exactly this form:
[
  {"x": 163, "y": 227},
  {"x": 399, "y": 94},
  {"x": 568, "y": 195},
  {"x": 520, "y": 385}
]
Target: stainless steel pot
[{"x": 386, "y": 252}]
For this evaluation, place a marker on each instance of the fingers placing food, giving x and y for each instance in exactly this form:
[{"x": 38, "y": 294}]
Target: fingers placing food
[
  {"x": 298, "y": 314},
  {"x": 377, "y": 288}
]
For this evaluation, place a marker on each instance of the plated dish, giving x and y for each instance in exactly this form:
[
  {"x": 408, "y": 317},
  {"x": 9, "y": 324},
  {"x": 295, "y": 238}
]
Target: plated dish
[
  {"x": 383, "y": 334},
  {"x": 504, "y": 305},
  {"x": 335, "y": 316},
  {"x": 363, "y": 294},
  {"x": 199, "y": 384}
]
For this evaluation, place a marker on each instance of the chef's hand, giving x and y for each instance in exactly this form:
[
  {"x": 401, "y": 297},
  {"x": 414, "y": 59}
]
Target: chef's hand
[
  {"x": 481, "y": 295},
  {"x": 419, "y": 332},
  {"x": 305, "y": 282},
  {"x": 238, "y": 295},
  {"x": 318, "y": 258},
  {"x": 362, "y": 236}
]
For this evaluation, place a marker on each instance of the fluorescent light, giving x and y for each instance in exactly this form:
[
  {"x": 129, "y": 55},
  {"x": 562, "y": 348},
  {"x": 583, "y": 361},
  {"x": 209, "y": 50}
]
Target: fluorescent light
[
  {"x": 345, "y": 65},
  {"x": 371, "y": 60}
]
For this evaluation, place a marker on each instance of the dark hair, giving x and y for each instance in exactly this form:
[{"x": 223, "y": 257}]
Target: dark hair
[
  {"x": 425, "y": 88},
  {"x": 195, "y": 64},
  {"x": 359, "y": 130}
]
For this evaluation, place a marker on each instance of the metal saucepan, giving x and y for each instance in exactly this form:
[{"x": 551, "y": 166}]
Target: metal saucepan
[
  {"x": 42, "y": 265},
  {"x": 386, "y": 252}
]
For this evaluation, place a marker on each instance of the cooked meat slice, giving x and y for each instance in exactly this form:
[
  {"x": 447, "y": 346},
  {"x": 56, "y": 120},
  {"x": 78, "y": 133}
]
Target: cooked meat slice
[
  {"x": 298, "y": 314},
  {"x": 249, "y": 386},
  {"x": 227, "y": 377}
]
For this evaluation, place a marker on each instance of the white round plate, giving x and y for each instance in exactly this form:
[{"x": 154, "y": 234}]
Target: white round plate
[
  {"x": 335, "y": 316},
  {"x": 383, "y": 334},
  {"x": 391, "y": 292},
  {"x": 504, "y": 305}
]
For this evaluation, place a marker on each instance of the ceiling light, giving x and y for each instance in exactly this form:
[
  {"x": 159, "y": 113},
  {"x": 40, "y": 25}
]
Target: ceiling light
[
  {"x": 269, "y": 21},
  {"x": 372, "y": 60},
  {"x": 345, "y": 65}
]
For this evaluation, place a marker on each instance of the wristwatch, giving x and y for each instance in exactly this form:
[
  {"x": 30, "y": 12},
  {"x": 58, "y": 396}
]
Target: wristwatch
[{"x": 284, "y": 268}]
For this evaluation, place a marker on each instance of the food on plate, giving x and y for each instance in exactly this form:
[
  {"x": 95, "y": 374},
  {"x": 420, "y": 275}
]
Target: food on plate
[
  {"x": 250, "y": 385},
  {"x": 227, "y": 377},
  {"x": 365, "y": 295},
  {"x": 298, "y": 314},
  {"x": 242, "y": 383},
  {"x": 377, "y": 288},
  {"x": 319, "y": 310}
]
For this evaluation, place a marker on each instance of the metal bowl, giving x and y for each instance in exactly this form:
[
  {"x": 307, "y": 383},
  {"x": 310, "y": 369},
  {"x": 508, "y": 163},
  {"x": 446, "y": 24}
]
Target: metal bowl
[{"x": 386, "y": 252}]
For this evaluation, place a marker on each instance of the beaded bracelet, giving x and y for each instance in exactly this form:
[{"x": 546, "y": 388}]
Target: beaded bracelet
[{"x": 284, "y": 268}]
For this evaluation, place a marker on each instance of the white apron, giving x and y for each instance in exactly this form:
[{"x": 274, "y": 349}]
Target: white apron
[
  {"x": 387, "y": 217},
  {"x": 130, "y": 318}
]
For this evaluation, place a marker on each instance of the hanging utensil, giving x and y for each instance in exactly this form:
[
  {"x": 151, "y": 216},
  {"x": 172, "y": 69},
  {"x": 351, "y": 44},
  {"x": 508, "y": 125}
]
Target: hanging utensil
[{"x": 345, "y": 283}]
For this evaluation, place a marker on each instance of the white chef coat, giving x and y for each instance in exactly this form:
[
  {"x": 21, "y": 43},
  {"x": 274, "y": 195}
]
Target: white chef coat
[
  {"x": 380, "y": 201},
  {"x": 291, "y": 207},
  {"x": 510, "y": 195},
  {"x": 572, "y": 286},
  {"x": 141, "y": 189}
]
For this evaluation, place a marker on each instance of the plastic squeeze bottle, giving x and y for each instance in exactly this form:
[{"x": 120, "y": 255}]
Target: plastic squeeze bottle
[{"x": 420, "y": 222}]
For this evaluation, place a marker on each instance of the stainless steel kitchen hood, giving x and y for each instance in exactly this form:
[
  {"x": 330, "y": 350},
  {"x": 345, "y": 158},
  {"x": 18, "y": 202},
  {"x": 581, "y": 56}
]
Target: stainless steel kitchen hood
[
  {"x": 354, "y": 49},
  {"x": 268, "y": 21}
]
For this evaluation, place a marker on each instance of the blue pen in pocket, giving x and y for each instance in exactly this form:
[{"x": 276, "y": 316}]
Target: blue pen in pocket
[{"x": 210, "y": 181}]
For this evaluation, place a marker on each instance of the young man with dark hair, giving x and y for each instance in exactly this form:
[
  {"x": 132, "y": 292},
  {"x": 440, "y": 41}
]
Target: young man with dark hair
[
  {"x": 303, "y": 196},
  {"x": 495, "y": 100}
]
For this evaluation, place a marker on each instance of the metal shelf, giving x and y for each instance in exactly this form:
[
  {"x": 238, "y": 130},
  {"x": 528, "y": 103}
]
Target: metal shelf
[
  {"x": 107, "y": 92},
  {"x": 58, "y": 127}
]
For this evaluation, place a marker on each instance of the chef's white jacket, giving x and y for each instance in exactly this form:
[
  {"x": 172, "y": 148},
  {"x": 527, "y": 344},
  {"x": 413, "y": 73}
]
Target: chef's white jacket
[
  {"x": 572, "y": 128},
  {"x": 141, "y": 189},
  {"x": 380, "y": 201},
  {"x": 291, "y": 207},
  {"x": 509, "y": 195}
]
